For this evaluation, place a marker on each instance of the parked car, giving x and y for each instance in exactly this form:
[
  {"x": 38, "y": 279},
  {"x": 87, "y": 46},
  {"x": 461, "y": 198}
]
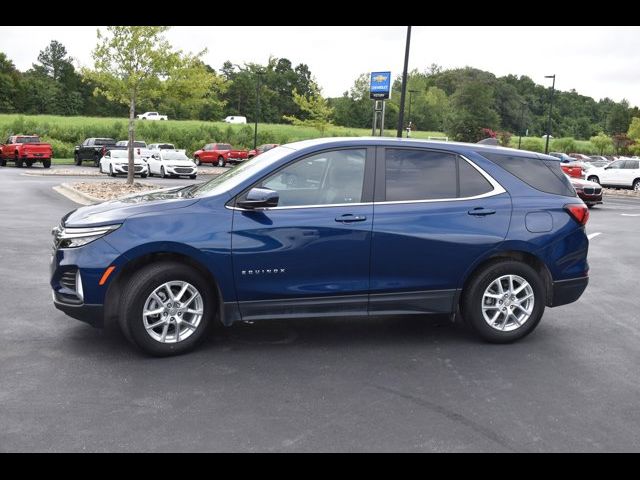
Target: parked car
[
  {"x": 486, "y": 234},
  {"x": 151, "y": 116},
  {"x": 621, "y": 173},
  {"x": 171, "y": 163},
  {"x": 220, "y": 154},
  {"x": 261, "y": 149},
  {"x": 25, "y": 150},
  {"x": 139, "y": 148},
  {"x": 161, "y": 146},
  {"x": 115, "y": 162},
  {"x": 580, "y": 156},
  {"x": 94, "y": 149},
  {"x": 598, "y": 161},
  {"x": 569, "y": 165},
  {"x": 589, "y": 192},
  {"x": 235, "y": 119}
]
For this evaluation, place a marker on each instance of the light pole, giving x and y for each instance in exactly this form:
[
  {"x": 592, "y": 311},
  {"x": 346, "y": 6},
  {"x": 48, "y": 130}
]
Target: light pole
[
  {"x": 411, "y": 92},
  {"x": 255, "y": 129},
  {"x": 553, "y": 86},
  {"x": 521, "y": 123},
  {"x": 403, "y": 91}
]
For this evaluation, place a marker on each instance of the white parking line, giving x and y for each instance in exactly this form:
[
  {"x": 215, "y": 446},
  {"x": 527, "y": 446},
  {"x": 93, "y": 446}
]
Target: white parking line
[
  {"x": 593, "y": 235},
  {"x": 630, "y": 214}
]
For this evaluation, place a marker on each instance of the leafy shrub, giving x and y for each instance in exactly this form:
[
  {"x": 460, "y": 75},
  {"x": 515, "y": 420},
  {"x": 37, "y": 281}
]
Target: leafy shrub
[
  {"x": 532, "y": 144},
  {"x": 505, "y": 138},
  {"x": 564, "y": 145}
]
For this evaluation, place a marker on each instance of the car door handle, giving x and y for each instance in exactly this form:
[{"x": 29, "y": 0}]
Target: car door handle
[
  {"x": 481, "y": 211},
  {"x": 349, "y": 218}
]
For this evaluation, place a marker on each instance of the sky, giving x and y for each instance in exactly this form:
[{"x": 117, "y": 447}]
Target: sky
[{"x": 595, "y": 61}]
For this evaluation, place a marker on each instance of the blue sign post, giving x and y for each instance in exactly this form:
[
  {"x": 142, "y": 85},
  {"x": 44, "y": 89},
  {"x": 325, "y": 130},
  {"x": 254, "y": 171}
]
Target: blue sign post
[{"x": 380, "y": 85}]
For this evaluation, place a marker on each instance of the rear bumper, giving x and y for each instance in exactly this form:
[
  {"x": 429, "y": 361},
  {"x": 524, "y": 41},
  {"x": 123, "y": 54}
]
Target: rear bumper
[
  {"x": 568, "y": 291},
  {"x": 91, "y": 314}
]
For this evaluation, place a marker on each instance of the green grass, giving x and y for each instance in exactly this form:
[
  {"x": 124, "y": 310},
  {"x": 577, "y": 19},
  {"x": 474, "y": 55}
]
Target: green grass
[
  {"x": 63, "y": 161},
  {"x": 537, "y": 145},
  {"x": 65, "y": 132}
]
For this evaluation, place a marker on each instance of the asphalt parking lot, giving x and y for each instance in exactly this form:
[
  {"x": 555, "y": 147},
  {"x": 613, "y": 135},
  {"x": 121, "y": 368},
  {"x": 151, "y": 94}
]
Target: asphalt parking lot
[{"x": 392, "y": 384}]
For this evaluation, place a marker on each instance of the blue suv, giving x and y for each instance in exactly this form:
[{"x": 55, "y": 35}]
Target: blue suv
[{"x": 331, "y": 227}]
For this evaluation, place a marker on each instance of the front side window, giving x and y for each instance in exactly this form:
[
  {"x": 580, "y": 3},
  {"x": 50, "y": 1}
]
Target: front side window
[
  {"x": 617, "y": 164},
  {"x": 333, "y": 177},
  {"x": 420, "y": 175}
]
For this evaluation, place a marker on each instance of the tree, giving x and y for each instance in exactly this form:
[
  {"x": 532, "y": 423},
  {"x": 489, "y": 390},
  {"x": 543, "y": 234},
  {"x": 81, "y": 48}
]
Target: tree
[
  {"x": 601, "y": 142},
  {"x": 134, "y": 63},
  {"x": 53, "y": 59},
  {"x": 618, "y": 121},
  {"x": 472, "y": 110},
  {"x": 315, "y": 108},
  {"x": 634, "y": 129}
]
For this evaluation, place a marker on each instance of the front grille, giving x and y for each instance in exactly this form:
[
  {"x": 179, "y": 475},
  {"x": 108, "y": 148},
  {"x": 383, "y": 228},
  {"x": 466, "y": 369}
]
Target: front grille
[
  {"x": 68, "y": 280},
  {"x": 593, "y": 190},
  {"x": 137, "y": 168},
  {"x": 183, "y": 170}
]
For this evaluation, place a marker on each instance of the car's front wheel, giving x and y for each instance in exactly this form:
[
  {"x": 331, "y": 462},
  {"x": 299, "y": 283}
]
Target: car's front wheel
[
  {"x": 504, "y": 301},
  {"x": 111, "y": 172},
  {"x": 636, "y": 185},
  {"x": 167, "y": 308},
  {"x": 221, "y": 162},
  {"x": 593, "y": 178},
  {"x": 197, "y": 161}
]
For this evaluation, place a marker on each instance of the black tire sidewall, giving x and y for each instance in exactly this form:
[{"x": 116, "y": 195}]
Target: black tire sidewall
[
  {"x": 138, "y": 290},
  {"x": 472, "y": 300}
]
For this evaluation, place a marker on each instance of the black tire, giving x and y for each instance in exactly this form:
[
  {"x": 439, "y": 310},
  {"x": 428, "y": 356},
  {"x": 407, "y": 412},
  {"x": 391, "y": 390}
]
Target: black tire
[
  {"x": 473, "y": 297},
  {"x": 29, "y": 163},
  {"x": 3, "y": 162},
  {"x": 163, "y": 174},
  {"x": 593, "y": 178},
  {"x": 221, "y": 162},
  {"x": 96, "y": 161},
  {"x": 143, "y": 175},
  {"x": 138, "y": 288},
  {"x": 17, "y": 161},
  {"x": 197, "y": 161},
  {"x": 192, "y": 177},
  {"x": 77, "y": 160},
  {"x": 111, "y": 172},
  {"x": 46, "y": 163},
  {"x": 636, "y": 184}
]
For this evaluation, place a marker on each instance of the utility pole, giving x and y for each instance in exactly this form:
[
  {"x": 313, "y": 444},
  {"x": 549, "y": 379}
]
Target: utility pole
[
  {"x": 404, "y": 84},
  {"x": 553, "y": 86}
]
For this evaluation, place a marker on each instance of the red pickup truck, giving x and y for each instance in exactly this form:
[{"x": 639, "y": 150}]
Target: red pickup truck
[
  {"x": 220, "y": 154},
  {"x": 25, "y": 149}
]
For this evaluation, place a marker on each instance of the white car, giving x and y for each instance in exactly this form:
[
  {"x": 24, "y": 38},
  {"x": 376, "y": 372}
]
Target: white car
[
  {"x": 170, "y": 163},
  {"x": 621, "y": 173},
  {"x": 161, "y": 146},
  {"x": 117, "y": 161},
  {"x": 235, "y": 119},
  {"x": 139, "y": 148},
  {"x": 151, "y": 116}
]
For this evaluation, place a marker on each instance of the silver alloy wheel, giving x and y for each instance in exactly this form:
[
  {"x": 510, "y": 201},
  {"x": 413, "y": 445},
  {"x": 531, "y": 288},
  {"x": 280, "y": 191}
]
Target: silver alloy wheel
[
  {"x": 508, "y": 303},
  {"x": 172, "y": 312}
]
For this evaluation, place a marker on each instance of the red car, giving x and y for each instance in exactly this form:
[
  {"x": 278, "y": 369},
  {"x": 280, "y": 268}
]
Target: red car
[
  {"x": 220, "y": 154},
  {"x": 25, "y": 149},
  {"x": 589, "y": 192},
  {"x": 262, "y": 148},
  {"x": 570, "y": 165}
]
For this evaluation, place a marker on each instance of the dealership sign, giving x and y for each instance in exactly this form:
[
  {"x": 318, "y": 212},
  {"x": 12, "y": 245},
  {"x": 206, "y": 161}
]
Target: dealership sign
[{"x": 380, "y": 85}]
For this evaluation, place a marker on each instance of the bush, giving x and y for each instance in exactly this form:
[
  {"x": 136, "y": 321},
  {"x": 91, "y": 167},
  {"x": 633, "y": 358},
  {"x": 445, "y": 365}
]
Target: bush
[
  {"x": 564, "y": 145},
  {"x": 505, "y": 138},
  {"x": 532, "y": 144},
  {"x": 60, "y": 149}
]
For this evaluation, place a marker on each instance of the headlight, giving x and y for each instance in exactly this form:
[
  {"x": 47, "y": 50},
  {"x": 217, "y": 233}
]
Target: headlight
[{"x": 77, "y": 237}]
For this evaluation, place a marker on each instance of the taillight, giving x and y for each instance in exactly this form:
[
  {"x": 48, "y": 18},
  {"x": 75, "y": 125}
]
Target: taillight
[{"x": 578, "y": 211}]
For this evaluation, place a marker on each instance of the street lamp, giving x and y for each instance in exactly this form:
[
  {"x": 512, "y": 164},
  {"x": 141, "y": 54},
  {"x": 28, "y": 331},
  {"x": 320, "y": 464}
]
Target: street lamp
[
  {"x": 521, "y": 123},
  {"x": 403, "y": 90},
  {"x": 553, "y": 86},
  {"x": 411, "y": 92},
  {"x": 255, "y": 129}
]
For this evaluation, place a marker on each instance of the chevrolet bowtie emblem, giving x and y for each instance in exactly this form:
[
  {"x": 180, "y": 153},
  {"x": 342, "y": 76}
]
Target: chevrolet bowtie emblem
[{"x": 380, "y": 78}]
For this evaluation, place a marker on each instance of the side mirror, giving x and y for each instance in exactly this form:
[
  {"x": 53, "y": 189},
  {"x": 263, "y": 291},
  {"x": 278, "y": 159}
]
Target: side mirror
[{"x": 259, "y": 198}]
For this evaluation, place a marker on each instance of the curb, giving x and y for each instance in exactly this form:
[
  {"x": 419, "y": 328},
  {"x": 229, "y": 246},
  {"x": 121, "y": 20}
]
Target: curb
[{"x": 74, "y": 195}]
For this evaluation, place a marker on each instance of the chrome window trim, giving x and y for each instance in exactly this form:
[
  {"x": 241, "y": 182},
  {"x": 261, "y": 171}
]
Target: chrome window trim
[{"x": 497, "y": 190}]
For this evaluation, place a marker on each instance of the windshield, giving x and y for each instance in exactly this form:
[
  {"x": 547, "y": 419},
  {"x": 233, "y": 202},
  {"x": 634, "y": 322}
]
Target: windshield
[
  {"x": 104, "y": 141},
  {"x": 28, "y": 140},
  {"x": 235, "y": 176},
  {"x": 224, "y": 146},
  {"x": 174, "y": 156}
]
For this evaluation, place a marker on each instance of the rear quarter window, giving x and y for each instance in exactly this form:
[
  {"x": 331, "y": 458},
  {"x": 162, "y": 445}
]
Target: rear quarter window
[{"x": 543, "y": 175}]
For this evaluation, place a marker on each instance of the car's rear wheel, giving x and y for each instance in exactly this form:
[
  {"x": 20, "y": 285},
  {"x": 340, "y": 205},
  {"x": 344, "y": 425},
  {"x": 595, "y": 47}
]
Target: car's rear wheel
[
  {"x": 3, "y": 162},
  {"x": 593, "y": 178},
  {"x": 196, "y": 159},
  {"x": 96, "y": 161},
  {"x": 221, "y": 162},
  {"x": 504, "y": 301},
  {"x": 29, "y": 163},
  {"x": 76, "y": 160},
  {"x": 166, "y": 309},
  {"x": 636, "y": 184},
  {"x": 17, "y": 161}
]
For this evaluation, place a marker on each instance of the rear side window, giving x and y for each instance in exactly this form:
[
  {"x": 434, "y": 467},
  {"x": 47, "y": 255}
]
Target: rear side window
[
  {"x": 472, "y": 182},
  {"x": 420, "y": 175},
  {"x": 543, "y": 175}
]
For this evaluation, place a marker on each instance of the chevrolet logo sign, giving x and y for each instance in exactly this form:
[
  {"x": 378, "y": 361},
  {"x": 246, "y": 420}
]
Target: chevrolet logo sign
[{"x": 379, "y": 78}]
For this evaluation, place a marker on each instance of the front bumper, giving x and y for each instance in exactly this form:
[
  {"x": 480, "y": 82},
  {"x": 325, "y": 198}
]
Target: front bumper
[
  {"x": 590, "y": 199},
  {"x": 568, "y": 291},
  {"x": 91, "y": 314}
]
